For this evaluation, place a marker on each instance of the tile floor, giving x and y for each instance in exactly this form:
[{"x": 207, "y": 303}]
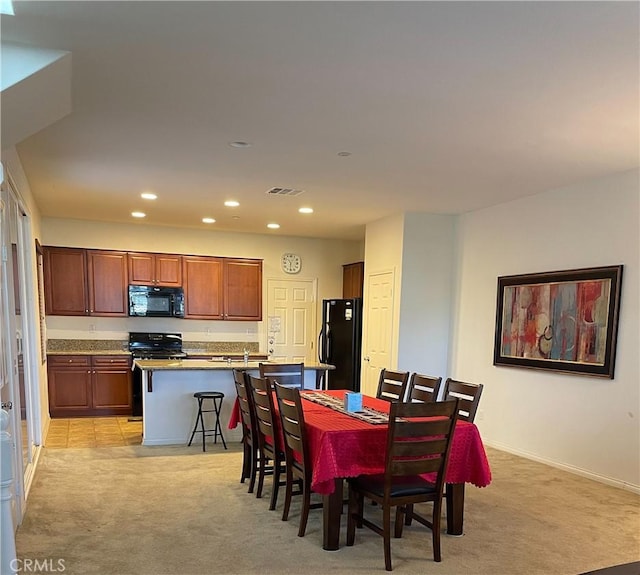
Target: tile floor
[{"x": 94, "y": 432}]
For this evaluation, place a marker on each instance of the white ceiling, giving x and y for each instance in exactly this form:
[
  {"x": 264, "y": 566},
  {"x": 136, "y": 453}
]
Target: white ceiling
[{"x": 446, "y": 107}]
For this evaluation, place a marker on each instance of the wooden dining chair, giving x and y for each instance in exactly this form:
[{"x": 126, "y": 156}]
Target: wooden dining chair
[
  {"x": 392, "y": 385},
  {"x": 289, "y": 374},
  {"x": 250, "y": 460},
  {"x": 298, "y": 465},
  {"x": 418, "y": 442},
  {"x": 269, "y": 449},
  {"x": 423, "y": 388},
  {"x": 468, "y": 394}
]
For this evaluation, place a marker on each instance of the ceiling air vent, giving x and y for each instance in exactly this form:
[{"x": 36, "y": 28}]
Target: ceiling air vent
[{"x": 284, "y": 192}]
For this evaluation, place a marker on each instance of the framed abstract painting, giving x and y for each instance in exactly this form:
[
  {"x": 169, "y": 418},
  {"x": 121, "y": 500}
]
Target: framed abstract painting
[{"x": 564, "y": 321}]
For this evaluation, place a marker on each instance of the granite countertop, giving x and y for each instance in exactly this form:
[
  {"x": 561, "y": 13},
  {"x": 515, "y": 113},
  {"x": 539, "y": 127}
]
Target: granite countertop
[
  {"x": 207, "y": 364},
  {"x": 121, "y": 347}
]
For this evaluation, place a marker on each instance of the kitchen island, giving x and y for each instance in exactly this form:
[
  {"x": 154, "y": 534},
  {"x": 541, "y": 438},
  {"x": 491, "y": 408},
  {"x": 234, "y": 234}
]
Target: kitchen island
[{"x": 169, "y": 408}]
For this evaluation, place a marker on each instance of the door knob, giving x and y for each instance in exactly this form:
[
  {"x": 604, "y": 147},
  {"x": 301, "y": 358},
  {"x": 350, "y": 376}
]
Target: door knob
[{"x": 366, "y": 358}]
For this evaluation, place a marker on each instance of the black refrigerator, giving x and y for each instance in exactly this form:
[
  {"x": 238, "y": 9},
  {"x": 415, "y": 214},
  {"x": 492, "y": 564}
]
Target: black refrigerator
[{"x": 340, "y": 342}]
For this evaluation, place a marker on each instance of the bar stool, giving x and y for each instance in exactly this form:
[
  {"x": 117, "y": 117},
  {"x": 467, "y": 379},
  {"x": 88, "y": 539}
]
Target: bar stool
[{"x": 216, "y": 398}]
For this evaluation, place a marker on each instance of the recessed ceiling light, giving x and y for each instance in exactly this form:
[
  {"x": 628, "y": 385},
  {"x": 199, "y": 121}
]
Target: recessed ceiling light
[
  {"x": 208, "y": 220},
  {"x": 273, "y": 226},
  {"x": 231, "y": 204},
  {"x": 306, "y": 210},
  {"x": 138, "y": 214},
  {"x": 240, "y": 144},
  {"x": 344, "y": 154},
  {"x": 148, "y": 196}
]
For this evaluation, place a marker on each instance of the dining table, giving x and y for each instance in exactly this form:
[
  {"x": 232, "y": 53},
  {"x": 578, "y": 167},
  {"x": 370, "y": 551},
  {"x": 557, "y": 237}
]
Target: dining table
[{"x": 344, "y": 444}]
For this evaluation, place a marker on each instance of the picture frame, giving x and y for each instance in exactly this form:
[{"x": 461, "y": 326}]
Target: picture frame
[{"x": 565, "y": 321}]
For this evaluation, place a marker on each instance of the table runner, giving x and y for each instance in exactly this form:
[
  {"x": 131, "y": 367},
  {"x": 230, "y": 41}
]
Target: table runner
[{"x": 367, "y": 414}]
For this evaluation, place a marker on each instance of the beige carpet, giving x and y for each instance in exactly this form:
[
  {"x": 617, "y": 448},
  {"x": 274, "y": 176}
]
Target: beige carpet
[{"x": 174, "y": 510}]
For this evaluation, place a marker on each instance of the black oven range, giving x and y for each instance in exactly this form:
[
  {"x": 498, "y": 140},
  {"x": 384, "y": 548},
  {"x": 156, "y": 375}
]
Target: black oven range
[{"x": 151, "y": 345}]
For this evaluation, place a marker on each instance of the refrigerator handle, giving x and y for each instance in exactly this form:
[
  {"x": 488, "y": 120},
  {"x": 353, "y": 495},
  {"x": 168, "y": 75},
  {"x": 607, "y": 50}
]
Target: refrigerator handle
[{"x": 320, "y": 358}]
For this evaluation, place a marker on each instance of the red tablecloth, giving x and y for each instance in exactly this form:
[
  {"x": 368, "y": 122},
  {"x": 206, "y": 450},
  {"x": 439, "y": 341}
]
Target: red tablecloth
[{"x": 344, "y": 446}]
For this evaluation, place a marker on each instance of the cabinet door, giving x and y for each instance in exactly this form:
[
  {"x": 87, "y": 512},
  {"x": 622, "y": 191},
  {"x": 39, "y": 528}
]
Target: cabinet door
[
  {"x": 69, "y": 379},
  {"x": 141, "y": 269},
  {"x": 243, "y": 289},
  {"x": 155, "y": 269},
  {"x": 65, "y": 282},
  {"x": 168, "y": 270},
  {"x": 112, "y": 385},
  {"x": 352, "y": 280},
  {"x": 107, "y": 283},
  {"x": 203, "y": 294}
]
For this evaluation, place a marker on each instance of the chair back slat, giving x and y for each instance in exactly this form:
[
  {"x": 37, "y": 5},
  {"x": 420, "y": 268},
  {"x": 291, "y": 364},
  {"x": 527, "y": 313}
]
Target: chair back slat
[
  {"x": 245, "y": 401},
  {"x": 392, "y": 385},
  {"x": 265, "y": 409},
  {"x": 468, "y": 395},
  {"x": 293, "y": 426},
  {"x": 423, "y": 388},
  {"x": 419, "y": 439},
  {"x": 288, "y": 374}
]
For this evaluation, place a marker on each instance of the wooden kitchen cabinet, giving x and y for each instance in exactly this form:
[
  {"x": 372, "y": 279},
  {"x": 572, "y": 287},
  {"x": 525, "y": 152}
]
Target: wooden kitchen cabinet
[
  {"x": 242, "y": 289},
  {"x": 85, "y": 385},
  {"x": 65, "y": 281},
  {"x": 107, "y": 283},
  {"x": 155, "y": 269},
  {"x": 203, "y": 287},
  {"x": 69, "y": 378},
  {"x": 222, "y": 288},
  {"x": 352, "y": 280},
  {"x": 85, "y": 282}
]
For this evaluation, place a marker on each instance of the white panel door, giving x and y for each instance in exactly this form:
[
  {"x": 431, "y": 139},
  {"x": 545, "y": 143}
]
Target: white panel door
[
  {"x": 292, "y": 302},
  {"x": 377, "y": 349}
]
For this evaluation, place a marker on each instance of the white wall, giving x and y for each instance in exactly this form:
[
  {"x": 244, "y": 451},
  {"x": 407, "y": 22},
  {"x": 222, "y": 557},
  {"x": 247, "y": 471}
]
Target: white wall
[
  {"x": 587, "y": 424},
  {"x": 426, "y": 293},
  {"x": 322, "y": 259}
]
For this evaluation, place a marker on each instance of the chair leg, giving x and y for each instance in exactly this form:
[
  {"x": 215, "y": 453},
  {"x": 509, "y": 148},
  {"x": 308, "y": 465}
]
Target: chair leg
[
  {"x": 304, "y": 512},
  {"x": 261, "y": 472},
  {"x": 253, "y": 469},
  {"x": 246, "y": 461},
  {"x": 400, "y": 516},
  {"x": 408, "y": 517},
  {"x": 352, "y": 513},
  {"x": 386, "y": 533},
  {"x": 288, "y": 495},
  {"x": 435, "y": 530},
  {"x": 276, "y": 485}
]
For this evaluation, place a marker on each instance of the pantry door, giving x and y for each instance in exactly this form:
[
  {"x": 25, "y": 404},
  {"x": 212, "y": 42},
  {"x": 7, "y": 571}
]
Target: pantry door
[
  {"x": 377, "y": 349},
  {"x": 291, "y": 320}
]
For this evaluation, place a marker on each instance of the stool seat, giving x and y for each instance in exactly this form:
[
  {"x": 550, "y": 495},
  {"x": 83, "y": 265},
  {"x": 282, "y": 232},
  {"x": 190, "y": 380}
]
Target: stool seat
[
  {"x": 216, "y": 398},
  {"x": 208, "y": 394}
]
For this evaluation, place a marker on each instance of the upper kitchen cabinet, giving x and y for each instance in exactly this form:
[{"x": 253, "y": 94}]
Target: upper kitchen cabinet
[
  {"x": 242, "y": 289},
  {"x": 352, "y": 280},
  {"x": 85, "y": 282},
  {"x": 222, "y": 288},
  {"x": 65, "y": 281},
  {"x": 203, "y": 289},
  {"x": 155, "y": 269}
]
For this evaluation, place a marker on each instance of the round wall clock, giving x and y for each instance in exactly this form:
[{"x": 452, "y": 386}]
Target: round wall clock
[{"x": 291, "y": 263}]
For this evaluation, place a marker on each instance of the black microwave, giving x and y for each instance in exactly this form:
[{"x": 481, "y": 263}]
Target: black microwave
[{"x": 152, "y": 301}]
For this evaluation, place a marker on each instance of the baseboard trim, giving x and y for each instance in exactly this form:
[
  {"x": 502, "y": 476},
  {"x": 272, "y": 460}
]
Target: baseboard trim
[{"x": 569, "y": 468}]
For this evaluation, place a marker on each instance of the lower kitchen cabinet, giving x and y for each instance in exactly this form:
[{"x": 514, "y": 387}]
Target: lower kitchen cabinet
[{"x": 85, "y": 385}]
